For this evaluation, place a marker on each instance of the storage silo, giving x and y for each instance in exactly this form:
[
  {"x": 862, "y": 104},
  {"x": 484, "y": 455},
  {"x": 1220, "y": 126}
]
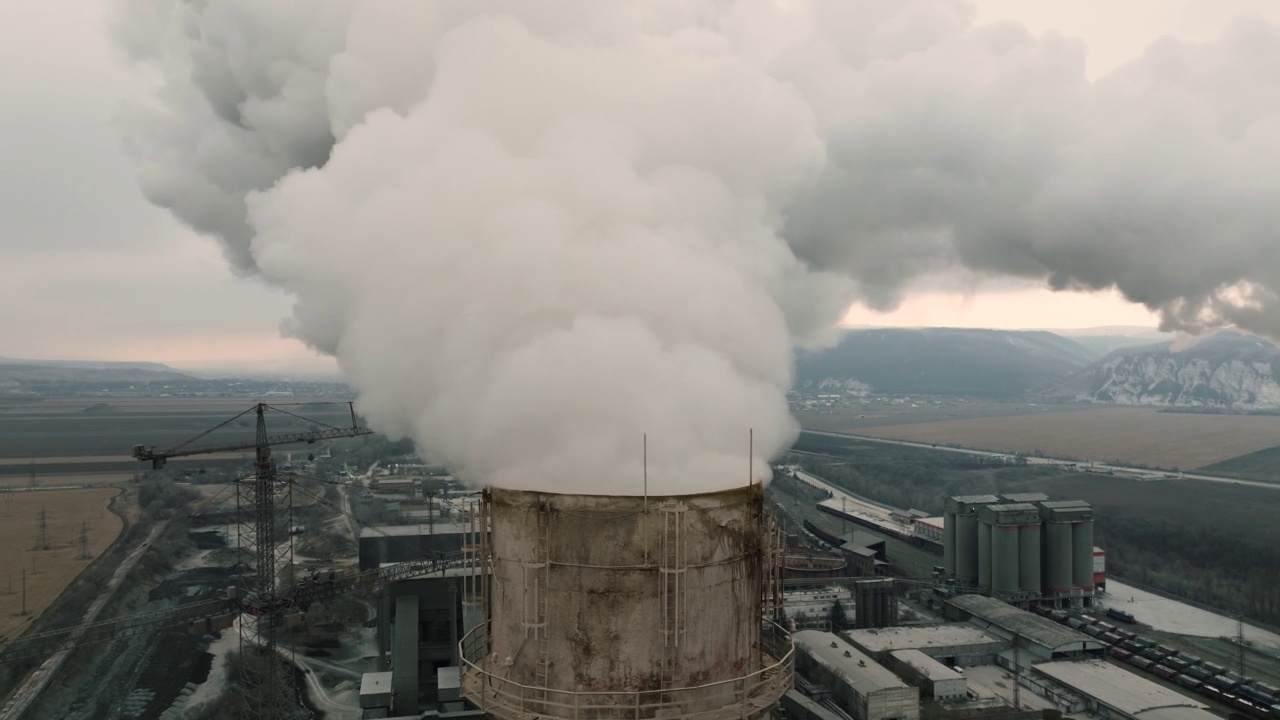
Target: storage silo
[
  {"x": 1082, "y": 554},
  {"x": 966, "y": 511},
  {"x": 1005, "y": 523},
  {"x": 1057, "y": 555},
  {"x": 606, "y": 606},
  {"x": 949, "y": 540},
  {"x": 984, "y": 552},
  {"x": 1029, "y": 578},
  {"x": 1004, "y": 558},
  {"x": 1060, "y": 555},
  {"x": 874, "y": 603}
]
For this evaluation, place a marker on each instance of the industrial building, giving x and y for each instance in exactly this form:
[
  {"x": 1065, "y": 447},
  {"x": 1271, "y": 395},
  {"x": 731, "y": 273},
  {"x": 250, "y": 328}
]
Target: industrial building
[
  {"x": 929, "y": 529},
  {"x": 1038, "y": 638},
  {"x": 949, "y": 663},
  {"x": 605, "y": 605},
  {"x": 388, "y": 544},
  {"x": 938, "y": 681},
  {"x": 865, "y": 554},
  {"x": 1098, "y": 688},
  {"x": 1022, "y": 547},
  {"x": 953, "y": 644},
  {"x": 866, "y": 689},
  {"x": 420, "y": 620},
  {"x": 811, "y": 609}
]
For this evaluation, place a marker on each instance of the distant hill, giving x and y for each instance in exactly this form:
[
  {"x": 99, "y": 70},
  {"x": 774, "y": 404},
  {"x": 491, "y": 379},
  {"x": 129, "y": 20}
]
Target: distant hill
[
  {"x": 1228, "y": 370},
  {"x": 17, "y": 375},
  {"x": 1102, "y": 341},
  {"x": 89, "y": 364},
  {"x": 943, "y": 361}
]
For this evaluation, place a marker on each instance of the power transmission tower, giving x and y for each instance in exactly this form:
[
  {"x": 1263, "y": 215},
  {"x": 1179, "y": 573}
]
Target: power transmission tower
[
  {"x": 42, "y": 530},
  {"x": 32, "y": 483},
  {"x": 82, "y": 537}
]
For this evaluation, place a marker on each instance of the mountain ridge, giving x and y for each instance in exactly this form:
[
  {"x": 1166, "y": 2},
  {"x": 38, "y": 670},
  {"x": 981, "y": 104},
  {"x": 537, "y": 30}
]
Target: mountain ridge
[{"x": 942, "y": 361}]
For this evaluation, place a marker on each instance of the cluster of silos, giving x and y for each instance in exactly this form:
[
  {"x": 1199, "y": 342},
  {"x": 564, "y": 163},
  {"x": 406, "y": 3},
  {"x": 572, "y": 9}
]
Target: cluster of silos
[
  {"x": 874, "y": 603},
  {"x": 1019, "y": 546}
]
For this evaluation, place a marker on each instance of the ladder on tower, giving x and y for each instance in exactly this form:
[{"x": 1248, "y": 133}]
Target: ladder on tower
[
  {"x": 671, "y": 572},
  {"x": 542, "y": 583}
]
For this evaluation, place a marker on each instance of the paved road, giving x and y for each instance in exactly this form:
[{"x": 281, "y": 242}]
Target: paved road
[
  {"x": 1139, "y": 474},
  {"x": 39, "y": 679}
]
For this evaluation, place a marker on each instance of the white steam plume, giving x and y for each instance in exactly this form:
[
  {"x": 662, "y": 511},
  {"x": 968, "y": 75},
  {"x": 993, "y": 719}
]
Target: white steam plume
[{"x": 531, "y": 232}]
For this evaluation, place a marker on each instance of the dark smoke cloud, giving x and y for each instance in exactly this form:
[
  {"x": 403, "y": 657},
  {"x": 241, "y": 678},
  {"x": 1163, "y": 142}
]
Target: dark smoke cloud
[{"x": 530, "y": 232}]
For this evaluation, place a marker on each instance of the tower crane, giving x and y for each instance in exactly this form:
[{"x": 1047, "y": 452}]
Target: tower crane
[{"x": 263, "y": 605}]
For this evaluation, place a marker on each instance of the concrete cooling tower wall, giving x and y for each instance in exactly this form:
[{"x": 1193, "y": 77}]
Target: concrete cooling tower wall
[{"x": 601, "y": 601}]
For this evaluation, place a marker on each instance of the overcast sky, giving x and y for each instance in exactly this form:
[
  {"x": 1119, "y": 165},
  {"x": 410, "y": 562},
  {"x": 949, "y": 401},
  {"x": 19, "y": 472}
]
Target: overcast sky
[{"x": 91, "y": 270}]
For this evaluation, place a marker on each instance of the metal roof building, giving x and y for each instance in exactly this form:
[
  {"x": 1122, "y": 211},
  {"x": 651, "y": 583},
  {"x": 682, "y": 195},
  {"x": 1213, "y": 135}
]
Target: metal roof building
[
  {"x": 867, "y": 690},
  {"x": 1043, "y": 638},
  {"x": 383, "y": 544},
  {"x": 954, "y": 644},
  {"x": 1117, "y": 691},
  {"x": 936, "y": 679}
]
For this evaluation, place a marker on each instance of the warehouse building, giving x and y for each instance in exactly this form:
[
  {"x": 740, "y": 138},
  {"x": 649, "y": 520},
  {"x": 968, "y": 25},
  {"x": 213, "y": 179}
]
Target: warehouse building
[
  {"x": 1039, "y": 639},
  {"x": 953, "y": 644},
  {"x": 387, "y": 544},
  {"x": 936, "y": 680},
  {"x": 929, "y": 529},
  {"x": 1106, "y": 690},
  {"x": 865, "y": 689}
]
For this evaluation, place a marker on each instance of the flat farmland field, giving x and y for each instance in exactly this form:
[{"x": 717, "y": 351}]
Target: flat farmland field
[
  {"x": 55, "y": 568},
  {"x": 105, "y": 431},
  {"x": 43, "y": 480},
  {"x": 1134, "y": 436}
]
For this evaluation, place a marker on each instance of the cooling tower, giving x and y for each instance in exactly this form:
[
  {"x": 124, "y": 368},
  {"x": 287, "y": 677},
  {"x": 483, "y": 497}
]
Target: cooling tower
[{"x": 625, "y": 607}]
